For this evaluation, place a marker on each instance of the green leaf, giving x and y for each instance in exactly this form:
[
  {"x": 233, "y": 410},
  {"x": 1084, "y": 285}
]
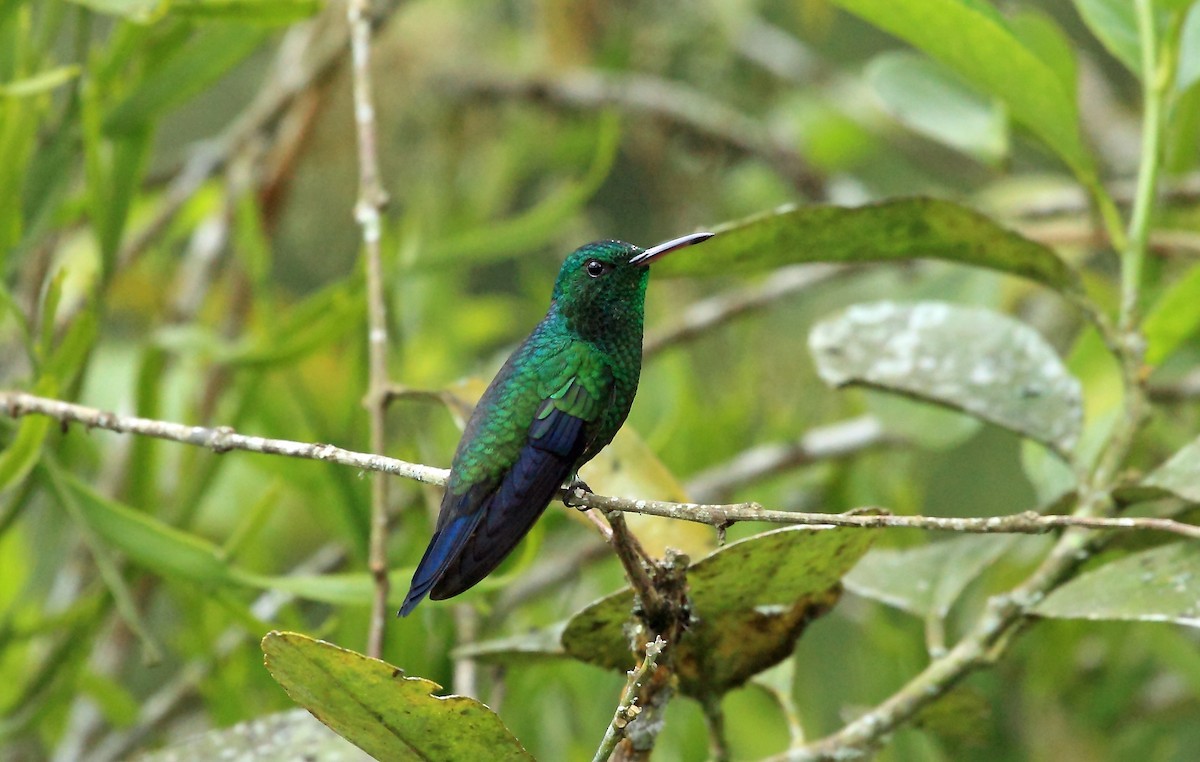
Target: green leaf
[
  {"x": 317, "y": 321},
  {"x": 210, "y": 53},
  {"x": 1114, "y": 22},
  {"x": 1188, "y": 72},
  {"x": 113, "y": 169},
  {"x": 1038, "y": 32},
  {"x": 932, "y": 101},
  {"x": 522, "y": 648},
  {"x": 374, "y": 706},
  {"x": 140, "y": 11},
  {"x": 147, "y": 541},
  {"x": 42, "y": 82},
  {"x": 972, "y": 40},
  {"x": 23, "y": 453},
  {"x": 928, "y": 579},
  {"x": 349, "y": 589},
  {"x": 1180, "y": 475},
  {"x": 1174, "y": 318},
  {"x": 752, "y": 599},
  {"x": 1157, "y": 585},
  {"x": 529, "y": 229},
  {"x": 110, "y": 570},
  {"x": 294, "y": 734},
  {"x": 247, "y": 11},
  {"x": 909, "y": 228},
  {"x": 967, "y": 358}
]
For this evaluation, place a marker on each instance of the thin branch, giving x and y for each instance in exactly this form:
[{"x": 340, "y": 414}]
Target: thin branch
[
  {"x": 628, "y": 709},
  {"x": 221, "y": 439},
  {"x": 1026, "y": 522},
  {"x": 224, "y": 439},
  {"x": 721, "y": 308},
  {"x": 838, "y": 440},
  {"x": 1180, "y": 390},
  {"x": 632, "y": 557},
  {"x": 669, "y": 101},
  {"x": 371, "y": 199},
  {"x": 1154, "y": 84}
]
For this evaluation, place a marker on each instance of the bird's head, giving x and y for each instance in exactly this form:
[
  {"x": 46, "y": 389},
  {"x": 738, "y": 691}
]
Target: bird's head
[{"x": 602, "y": 285}]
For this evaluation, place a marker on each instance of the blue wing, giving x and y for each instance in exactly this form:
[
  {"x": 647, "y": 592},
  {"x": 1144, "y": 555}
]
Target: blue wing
[{"x": 485, "y": 523}]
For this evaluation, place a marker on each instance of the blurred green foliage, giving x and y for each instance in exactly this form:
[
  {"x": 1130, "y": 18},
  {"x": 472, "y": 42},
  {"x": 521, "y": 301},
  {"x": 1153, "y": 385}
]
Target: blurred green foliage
[{"x": 177, "y": 241}]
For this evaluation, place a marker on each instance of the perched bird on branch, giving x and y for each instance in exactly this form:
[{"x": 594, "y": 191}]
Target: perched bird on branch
[{"x": 557, "y": 401}]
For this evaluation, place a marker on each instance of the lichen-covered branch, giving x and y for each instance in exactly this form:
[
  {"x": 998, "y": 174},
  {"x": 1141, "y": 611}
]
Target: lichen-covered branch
[
  {"x": 628, "y": 709},
  {"x": 224, "y": 439}
]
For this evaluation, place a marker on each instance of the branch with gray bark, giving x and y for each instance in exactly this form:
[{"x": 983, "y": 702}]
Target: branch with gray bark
[{"x": 16, "y": 404}]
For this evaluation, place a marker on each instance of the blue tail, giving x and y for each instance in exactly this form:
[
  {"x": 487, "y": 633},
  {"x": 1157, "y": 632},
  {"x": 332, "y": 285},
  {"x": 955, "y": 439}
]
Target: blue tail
[{"x": 445, "y": 546}]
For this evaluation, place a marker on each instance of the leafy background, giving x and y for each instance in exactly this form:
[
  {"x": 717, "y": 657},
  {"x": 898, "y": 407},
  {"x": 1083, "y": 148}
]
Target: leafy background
[{"x": 177, "y": 182}]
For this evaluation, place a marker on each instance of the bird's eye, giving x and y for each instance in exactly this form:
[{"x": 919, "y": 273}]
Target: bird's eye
[{"x": 596, "y": 268}]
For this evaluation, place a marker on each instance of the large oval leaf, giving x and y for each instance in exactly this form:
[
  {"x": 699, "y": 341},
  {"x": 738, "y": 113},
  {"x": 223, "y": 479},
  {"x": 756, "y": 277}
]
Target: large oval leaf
[
  {"x": 752, "y": 600},
  {"x": 374, "y": 706},
  {"x": 1157, "y": 585},
  {"x": 971, "y": 359},
  {"x": 890, "y": 231}
]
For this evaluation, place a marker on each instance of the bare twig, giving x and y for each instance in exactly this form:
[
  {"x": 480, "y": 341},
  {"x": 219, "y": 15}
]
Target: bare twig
[
  {"x": 628, "y": 709},
  {"x": 837, "y": 440},
  {"x": 1181, "y": 390},
  {"x": 371, "y": 199},
  {"x": 632, "y": 557},
  {"x": 224, "y": 439},
  {"x": 672, "y": 102},
  {"x": 717, "y": 310}
]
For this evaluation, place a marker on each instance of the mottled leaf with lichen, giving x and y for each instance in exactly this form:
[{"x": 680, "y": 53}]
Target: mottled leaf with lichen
[
  {"x": 1157, "y": 585},
  {"x": 971, "y": 359},
  {"x": 751, "y": 599}
]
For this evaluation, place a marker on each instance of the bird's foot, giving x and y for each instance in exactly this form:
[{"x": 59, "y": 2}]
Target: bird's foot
[{"x": 574, "y": 492}]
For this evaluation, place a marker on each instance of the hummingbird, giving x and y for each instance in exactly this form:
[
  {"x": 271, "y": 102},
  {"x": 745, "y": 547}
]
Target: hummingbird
[{"x": 556, "y": 402}]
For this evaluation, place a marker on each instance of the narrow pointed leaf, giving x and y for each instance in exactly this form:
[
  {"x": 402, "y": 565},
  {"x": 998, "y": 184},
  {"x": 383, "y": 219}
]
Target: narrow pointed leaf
[
  {"x": 386, "y": 714},
  {"x": 1157, "y": 585},
  {"x": 1114, "y": 22},
  {"x": 1174, "y": 318},
  {"x": 146, "y": 540},
  {"x": 892, "y": 231},
  {"x": 752, "y": 599},
  {"x": 975, "y": 42},
  {"x": 971, "y": 359},
  {"x": 39, "y": 83},
  {"x": 930, "y": 100},
  {"x": 524, "y": 647},
  {"x": 1180, "y": 475}
]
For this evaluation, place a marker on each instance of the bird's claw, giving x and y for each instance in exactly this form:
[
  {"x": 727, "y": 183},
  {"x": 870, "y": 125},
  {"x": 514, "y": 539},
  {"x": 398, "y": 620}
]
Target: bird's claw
[{"x": 574, "y": 492}]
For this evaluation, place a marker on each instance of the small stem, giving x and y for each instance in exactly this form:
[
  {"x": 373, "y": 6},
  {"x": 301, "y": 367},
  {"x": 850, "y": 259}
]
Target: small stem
[
  {"x": 371, "y": 199},
  {"x": 627, "y": 710},
  {"x": 714, "y": 717},
  {"x": 1154, "y": 82}
]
